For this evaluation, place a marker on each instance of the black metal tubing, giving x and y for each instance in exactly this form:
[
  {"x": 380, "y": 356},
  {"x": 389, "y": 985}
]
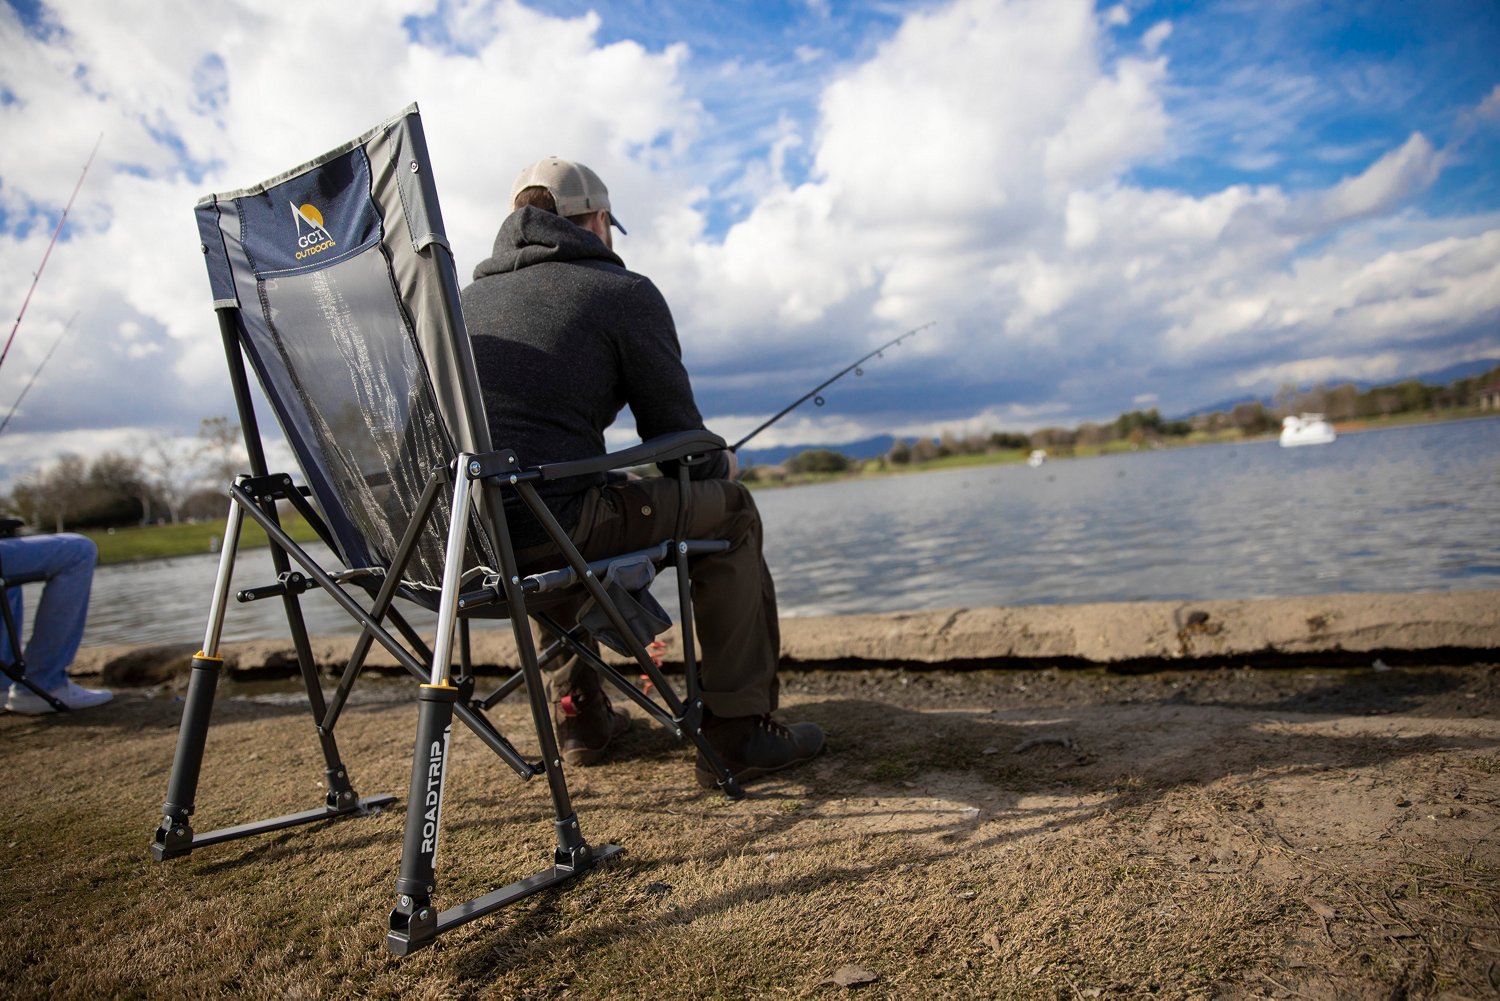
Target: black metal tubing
[
  {"x": 536, "y": 697},
  {"x": 229, "y": 332},
  {"x": 663, "y": 448},
  {"x": 471, "y": 718},
  {"x": 634, "y": 694},
  {"x": 362, "y": 807},
  {"x": 685, "y": 599},
  {"x": 400, "y": 940},
  {"x": 413, "y": 921},
  {"x": 385, "y": 596},
  {"x": 496, "y": 899},
  {"x": 585, "y": 576},
  {"x": 285, "y": 545}
]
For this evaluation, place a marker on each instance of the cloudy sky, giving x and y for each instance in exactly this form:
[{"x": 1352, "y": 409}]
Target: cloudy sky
[{"x": 1102, "y": 207}]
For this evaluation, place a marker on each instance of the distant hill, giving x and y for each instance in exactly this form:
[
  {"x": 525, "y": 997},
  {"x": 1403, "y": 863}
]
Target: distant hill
[
  {"x": 1441, "y": 377},
  {"x": 865, "y": 448}
]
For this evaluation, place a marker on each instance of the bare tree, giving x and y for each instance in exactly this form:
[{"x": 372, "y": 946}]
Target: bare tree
[
  {"x": 222, "y": 451},
  {"x": 116, "y": 478},
  {"x": 170, "y": 465},
  {"x": 50, "y": 494}
]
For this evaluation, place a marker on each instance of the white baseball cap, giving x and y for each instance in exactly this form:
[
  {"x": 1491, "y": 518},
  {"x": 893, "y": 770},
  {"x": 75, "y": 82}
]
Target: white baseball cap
[{"x": 575, "y": 188}]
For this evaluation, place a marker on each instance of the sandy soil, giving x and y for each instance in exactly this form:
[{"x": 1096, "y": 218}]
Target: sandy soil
[
  {"x": 1304, "y": 832},
  {"x": 1365, "y": 804}
]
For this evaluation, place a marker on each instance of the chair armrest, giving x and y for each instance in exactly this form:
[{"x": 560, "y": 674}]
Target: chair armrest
[{"x": 662, "y": 448}]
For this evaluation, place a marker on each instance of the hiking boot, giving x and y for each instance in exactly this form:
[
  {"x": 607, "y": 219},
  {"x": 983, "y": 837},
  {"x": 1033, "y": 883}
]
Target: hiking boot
[
  {"x": 752, "y": 746},
  {"x": 23, "y": 700},
  {"x": 586, "y": 723}
]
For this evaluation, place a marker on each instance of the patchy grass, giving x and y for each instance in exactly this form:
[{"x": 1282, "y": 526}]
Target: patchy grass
[
  {"x": 959, "y": 838},
  {"x": 150, "y": 542}
]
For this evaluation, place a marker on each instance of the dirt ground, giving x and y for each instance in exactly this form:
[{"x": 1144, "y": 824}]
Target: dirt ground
[{"x": 1312, "y": 833}]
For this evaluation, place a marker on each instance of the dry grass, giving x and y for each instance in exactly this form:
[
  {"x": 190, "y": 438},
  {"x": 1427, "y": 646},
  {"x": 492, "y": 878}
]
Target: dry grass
[{"x": 1035, "y": 835}]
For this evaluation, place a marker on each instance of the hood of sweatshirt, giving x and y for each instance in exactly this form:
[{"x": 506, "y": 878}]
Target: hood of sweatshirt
[{"x": 533, "y": 236}]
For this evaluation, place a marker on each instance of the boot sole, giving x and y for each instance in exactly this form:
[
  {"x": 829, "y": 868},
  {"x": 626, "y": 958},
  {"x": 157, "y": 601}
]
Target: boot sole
[
  {"x": 582, "y": 757},
  {"x": 708, "y": 780}
]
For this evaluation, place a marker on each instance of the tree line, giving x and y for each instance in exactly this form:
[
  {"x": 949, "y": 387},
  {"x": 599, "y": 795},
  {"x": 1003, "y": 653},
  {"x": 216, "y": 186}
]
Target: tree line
[
  {"x": 163, "y": 479},
  {"x": 1250, "y": 418}
]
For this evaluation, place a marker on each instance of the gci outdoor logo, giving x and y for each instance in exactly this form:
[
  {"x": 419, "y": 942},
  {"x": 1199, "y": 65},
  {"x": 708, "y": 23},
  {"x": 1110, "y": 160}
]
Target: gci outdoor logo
[{"x": 312, "y": 236}]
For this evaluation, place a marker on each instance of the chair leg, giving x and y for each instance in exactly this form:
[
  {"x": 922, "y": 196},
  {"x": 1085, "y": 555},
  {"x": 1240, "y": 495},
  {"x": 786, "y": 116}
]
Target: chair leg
[
  {"x": 15, "y": 668},
  {"x": 175, "y": 837},
  {"x": 414, "y": 922}
]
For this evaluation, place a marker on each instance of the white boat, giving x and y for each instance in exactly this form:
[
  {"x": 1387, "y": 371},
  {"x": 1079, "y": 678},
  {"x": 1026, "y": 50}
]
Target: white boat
[
  {"x": 1037, "y": 457},
  {"x": 1309, "y": 429}
]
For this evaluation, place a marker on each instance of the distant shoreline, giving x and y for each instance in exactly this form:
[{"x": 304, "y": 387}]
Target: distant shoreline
[
  {"x": 1009, "y": 457},
  {"x": 137, "y": 544}
]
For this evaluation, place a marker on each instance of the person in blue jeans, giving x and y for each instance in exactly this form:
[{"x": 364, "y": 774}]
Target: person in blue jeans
[{"x": 66, "y": 563}]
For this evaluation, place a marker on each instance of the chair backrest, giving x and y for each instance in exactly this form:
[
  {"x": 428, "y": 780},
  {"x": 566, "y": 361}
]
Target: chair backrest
[{"x": 344, "y": 295}]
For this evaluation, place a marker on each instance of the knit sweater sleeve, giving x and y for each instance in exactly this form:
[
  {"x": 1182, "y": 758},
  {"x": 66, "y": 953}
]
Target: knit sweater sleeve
[{"x": 656, "y": 384}]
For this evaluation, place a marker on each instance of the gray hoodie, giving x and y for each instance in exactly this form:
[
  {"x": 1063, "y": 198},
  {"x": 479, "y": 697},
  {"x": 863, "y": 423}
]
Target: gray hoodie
[{"x": 564, "y": 337}]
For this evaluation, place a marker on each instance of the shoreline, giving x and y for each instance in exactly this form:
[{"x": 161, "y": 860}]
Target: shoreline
[
  {"x": 1357, "y": 426},
  {"x": 1348, "y": 630}
]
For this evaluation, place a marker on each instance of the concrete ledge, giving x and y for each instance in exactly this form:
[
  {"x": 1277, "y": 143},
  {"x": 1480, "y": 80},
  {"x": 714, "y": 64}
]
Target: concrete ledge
[
  {"x": 1454, "y": 625},
  {"x": 1110, "y": 634}
]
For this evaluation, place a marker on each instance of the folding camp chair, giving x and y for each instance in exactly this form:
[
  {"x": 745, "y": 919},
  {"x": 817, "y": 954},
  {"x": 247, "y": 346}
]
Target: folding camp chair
[
  {"x": 13, "y": 660},
  {"x": 335, "y": 279}
]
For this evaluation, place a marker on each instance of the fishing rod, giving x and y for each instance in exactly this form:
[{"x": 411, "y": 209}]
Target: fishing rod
[
  {"x": 813, "y": 393},
  {"x": 27, "y": 388},
  {"x": 55, "y": 233}
]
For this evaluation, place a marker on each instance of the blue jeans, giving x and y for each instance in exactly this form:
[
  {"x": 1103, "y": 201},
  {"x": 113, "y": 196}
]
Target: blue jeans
[{"x": 66, "y": 563}]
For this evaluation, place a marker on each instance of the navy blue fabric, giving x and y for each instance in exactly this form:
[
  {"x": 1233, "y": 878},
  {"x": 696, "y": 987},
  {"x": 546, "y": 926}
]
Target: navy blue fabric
[{"x": 312, "y": 220}]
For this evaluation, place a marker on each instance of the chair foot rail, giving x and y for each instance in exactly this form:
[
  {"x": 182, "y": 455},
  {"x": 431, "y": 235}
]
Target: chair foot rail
[
  {"x": 180, "y": 841},
  {"x": 409, "y": 933}
]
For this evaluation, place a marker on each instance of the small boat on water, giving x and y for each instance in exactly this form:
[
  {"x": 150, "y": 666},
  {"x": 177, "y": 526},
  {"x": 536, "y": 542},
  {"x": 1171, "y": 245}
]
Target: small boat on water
[
  {"x": 1037, "y": 457},
  {"x": 1309, "y": 429}
]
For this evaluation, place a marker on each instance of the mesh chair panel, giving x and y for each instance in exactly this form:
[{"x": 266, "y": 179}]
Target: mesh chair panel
[{"x": 354, "y": 387}]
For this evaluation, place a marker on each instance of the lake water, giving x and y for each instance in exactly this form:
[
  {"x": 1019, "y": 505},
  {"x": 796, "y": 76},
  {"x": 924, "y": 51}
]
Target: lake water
[{"x": 1404, "y": 509}]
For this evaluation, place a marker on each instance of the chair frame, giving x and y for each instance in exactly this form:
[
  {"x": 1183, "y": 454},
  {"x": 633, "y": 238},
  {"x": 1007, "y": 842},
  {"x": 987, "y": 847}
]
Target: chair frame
[{"x": 475, "y": 481}]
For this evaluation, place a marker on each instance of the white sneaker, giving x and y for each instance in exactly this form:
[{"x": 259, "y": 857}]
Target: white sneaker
[{"x": 23, "y": 700}]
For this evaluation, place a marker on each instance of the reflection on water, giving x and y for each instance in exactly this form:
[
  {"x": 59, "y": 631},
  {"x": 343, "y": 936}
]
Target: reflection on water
[{"x": 1407, "y": 509}]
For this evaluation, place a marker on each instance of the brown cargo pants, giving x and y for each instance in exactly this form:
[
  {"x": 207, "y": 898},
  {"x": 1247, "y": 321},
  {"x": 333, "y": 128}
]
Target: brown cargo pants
[{"x": 734, "y": 598}]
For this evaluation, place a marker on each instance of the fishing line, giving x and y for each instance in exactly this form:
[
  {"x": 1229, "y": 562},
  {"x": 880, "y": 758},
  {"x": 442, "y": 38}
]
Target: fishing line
[
  {"x": 43, "y": 266},
  {"x": 813, "y": 393},
  {"x": 27, "y": 388}
]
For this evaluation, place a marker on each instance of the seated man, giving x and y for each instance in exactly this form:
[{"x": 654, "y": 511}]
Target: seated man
[
  {"x": 564, "y": 337},
  {"x": 66, "y": 563}
]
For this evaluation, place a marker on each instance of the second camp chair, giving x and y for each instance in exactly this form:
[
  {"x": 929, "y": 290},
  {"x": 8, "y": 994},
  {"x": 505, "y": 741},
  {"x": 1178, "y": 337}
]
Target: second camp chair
[{"x": 336, "y": 282}]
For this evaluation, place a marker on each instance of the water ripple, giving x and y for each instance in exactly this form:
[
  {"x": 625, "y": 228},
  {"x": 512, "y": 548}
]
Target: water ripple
[{"x": 1408, "y": 509}]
